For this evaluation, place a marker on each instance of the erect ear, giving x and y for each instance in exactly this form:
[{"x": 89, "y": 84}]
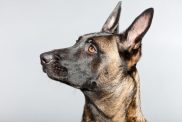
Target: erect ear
[
  {"x": 132, "y": 37},
  {"x": 112, "y": 23}
]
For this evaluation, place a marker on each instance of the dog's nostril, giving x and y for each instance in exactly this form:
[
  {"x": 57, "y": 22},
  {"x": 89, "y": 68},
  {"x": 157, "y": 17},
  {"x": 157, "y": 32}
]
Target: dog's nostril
[{"x": 46, "y": 58}]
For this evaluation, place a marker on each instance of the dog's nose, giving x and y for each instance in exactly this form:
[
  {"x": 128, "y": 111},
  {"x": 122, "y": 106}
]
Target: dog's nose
[{"x": 46, "y": 58}]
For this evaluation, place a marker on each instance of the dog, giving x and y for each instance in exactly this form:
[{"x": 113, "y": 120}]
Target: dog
[{"x": 103, "y": 66}]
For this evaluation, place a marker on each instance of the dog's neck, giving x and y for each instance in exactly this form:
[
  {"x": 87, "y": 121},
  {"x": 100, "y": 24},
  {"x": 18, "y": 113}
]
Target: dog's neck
[{"x": 121, "y": 105}]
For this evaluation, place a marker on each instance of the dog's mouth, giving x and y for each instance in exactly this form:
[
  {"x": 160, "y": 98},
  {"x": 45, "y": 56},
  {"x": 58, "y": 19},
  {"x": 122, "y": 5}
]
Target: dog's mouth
[{"x": 55, "y": 71}]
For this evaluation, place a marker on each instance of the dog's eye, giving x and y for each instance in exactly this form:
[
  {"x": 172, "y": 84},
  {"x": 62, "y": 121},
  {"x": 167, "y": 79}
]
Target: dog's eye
[{"x": 91, "y": 49}]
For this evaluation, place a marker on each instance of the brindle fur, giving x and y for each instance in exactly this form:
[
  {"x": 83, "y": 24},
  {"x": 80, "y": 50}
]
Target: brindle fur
[{"x": 108, "y": 78}]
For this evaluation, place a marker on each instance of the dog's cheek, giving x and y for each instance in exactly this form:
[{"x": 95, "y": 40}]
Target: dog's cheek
[
  {"x": 95, "y": 64},
  {"x": 78, "y": 73},
  {"x": 108, "y": 74}
]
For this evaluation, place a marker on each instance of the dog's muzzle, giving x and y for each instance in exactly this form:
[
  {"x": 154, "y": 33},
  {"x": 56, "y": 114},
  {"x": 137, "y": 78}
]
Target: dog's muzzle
[{"x": 51, "y": 61}]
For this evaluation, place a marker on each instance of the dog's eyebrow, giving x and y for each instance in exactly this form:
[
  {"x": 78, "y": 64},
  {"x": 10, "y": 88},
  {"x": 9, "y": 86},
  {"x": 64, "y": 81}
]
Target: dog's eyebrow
[{"x": 97, "y": 45}]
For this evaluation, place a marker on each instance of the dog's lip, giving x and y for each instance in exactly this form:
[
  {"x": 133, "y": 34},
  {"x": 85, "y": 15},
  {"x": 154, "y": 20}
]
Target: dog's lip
[
  {"x": 61, "y": 68},
  {"x": 44, "y": 69},
  {"x": 84, "y": 89}
]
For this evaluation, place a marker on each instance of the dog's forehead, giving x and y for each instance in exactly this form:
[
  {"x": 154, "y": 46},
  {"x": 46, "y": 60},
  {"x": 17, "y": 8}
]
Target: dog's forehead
[{"x": 97, "y": 34}]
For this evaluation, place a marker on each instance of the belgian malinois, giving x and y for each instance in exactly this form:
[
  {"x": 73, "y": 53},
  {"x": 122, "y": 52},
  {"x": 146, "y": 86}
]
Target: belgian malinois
[{"x": 103, "y": 66}]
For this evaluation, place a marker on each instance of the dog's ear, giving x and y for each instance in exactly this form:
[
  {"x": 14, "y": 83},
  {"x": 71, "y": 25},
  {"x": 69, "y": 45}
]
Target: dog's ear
[
  {"x": 129, "y": 44},
  {"x": 112, "y": 23}
]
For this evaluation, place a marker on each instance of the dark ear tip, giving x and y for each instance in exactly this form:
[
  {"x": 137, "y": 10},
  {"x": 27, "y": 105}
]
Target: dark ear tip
[
  {"x": 149, "y": 11},
  {"x": 118, "y": 6},
  {"x": 119, "y": 3}
]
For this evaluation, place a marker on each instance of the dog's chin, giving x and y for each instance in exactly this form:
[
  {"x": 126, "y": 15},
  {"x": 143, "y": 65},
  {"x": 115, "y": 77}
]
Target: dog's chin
[{"x": 59, "y": 75}]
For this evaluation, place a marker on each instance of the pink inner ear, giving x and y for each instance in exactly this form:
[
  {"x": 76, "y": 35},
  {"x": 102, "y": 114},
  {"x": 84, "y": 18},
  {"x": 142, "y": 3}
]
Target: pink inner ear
[
  {"x": 139, "y": 26},
  {"x": 111, "y": 23}
]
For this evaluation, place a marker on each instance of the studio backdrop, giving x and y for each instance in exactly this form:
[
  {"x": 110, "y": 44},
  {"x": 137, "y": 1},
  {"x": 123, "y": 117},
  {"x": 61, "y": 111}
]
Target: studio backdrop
[{"x": 30, "y": 27}]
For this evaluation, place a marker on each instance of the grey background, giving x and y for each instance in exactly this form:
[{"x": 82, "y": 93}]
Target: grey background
[{"x": 28, "y": 28}]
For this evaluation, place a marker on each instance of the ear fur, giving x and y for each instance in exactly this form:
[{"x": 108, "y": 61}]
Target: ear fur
[
  {"x": 112, "y": 23},
  {"x": 130, "y": 41}
]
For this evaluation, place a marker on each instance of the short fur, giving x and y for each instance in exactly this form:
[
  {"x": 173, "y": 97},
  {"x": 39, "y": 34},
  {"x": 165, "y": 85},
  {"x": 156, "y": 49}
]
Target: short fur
[{"x": 107, "y": 76}]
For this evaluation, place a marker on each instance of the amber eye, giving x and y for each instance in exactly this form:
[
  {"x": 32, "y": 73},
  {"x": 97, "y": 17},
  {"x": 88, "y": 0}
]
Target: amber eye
[{"x": 92, "y": 49}]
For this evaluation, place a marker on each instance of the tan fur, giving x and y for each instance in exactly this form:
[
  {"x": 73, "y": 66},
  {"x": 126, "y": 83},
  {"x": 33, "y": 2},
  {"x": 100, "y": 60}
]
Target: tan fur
[
  {"x": 107, "y": 76},
  {"x": 119, "y": 101},
  {"x": 134, "y": 59}
]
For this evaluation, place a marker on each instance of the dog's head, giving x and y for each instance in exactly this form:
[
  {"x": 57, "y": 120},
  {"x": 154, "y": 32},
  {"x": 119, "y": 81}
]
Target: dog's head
[{"x": 97, "y": 59}]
